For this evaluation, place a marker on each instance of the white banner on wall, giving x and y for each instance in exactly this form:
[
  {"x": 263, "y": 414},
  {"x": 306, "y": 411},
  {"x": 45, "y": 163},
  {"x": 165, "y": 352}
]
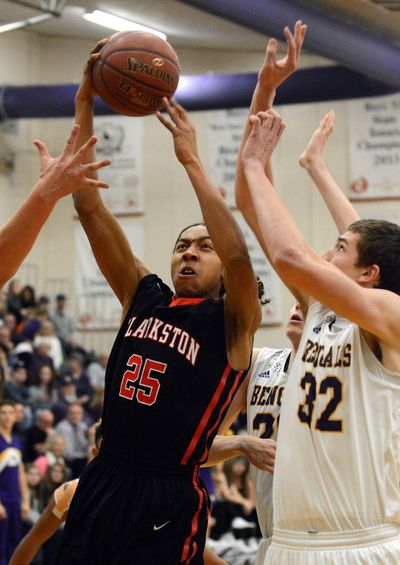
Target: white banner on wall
[
  {"x": 271, "y": 312},
  {"x": 225, "y": 129},
  {"x": 374, "y": 138},
  {"x": 121, "y": 139},
  {"x": 97, "y": 304}
]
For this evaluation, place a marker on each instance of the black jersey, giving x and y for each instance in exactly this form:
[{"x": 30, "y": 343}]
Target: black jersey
[{"x": 168, "y": 380}]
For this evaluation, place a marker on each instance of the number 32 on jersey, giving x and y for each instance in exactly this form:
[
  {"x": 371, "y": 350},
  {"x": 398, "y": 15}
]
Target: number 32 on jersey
[{"x": 331, "y": 388}]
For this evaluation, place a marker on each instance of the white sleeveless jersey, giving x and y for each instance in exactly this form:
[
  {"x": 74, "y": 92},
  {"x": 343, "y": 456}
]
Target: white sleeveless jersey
[
  {"x": 338, "y": 458},
  {"x": 264, "y": 397}
]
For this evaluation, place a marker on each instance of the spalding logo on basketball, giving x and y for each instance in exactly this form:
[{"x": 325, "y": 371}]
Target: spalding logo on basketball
[{"x": 135, "y": 71}]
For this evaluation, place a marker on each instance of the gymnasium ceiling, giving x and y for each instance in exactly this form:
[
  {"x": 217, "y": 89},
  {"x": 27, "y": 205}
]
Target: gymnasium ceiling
[{"x": 341, "y": 31}]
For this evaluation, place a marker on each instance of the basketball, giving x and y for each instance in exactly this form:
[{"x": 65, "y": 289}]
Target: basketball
[{"x": 135, "y": 71}]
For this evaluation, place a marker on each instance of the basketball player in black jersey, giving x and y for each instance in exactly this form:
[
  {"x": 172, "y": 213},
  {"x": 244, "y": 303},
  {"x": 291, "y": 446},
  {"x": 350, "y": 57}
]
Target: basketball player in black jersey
[{"x": 176, "y": 364}]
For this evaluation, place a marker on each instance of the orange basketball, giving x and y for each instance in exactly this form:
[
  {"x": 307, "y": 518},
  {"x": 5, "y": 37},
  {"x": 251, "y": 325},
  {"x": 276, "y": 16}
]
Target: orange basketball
[{"x": 134, "y": 71}]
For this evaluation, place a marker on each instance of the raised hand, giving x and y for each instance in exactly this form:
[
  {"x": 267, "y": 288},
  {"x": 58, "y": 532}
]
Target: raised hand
[
  {"x": 318, "y": 140},
  {"x": 182, "y": 130},
  {"x": 274, "y": 72},
  {"x": 64, "y": 174},
  {"x": 266, "y": 130},
  {"x": 86, "y": 88}
]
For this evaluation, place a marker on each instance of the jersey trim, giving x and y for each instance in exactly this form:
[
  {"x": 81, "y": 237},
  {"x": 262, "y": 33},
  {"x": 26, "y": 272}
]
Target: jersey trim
[
  {"x": 207, "y": 414},
  {"x": 186, "y": 557},
  {"x": 185, "y": 301}
]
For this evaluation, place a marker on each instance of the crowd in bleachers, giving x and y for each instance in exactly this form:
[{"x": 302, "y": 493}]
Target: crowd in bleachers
[{"x": 57, "y": 387}]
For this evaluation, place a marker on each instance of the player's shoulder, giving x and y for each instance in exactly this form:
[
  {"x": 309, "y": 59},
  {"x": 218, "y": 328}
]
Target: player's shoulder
[{"x": 269, "y": 358}]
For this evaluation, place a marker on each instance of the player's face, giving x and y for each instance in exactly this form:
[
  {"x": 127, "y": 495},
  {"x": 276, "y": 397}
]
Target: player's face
[
  {"x": 196, "y": 269},
  {"x": 7, "y": 416},
  {"x": 295, "y": 325},
  {"x": 344, "y": 255}
]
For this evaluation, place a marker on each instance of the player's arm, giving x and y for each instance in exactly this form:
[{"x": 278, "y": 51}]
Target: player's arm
[
  {"x": 339, "y": 206},
  {"x": 273, "y": 72},
  {"x": 376, "y": 311},
  {"x": 109, "y": 244},
  {"x": 40, "y": 532},
  {"x": 58, "y": 177},
  {"x": 242, "y": 307},
  {"x": 24, "y": 491},
  {"x": 211, "y": 559},
  {"x": 260, "y": 452}
]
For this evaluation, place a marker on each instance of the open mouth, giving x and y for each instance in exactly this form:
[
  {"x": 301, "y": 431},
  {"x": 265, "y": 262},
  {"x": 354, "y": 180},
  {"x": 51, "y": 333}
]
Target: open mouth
[
  {"x": 187, "y": 272},
  {"x": 295, "y": 318}
]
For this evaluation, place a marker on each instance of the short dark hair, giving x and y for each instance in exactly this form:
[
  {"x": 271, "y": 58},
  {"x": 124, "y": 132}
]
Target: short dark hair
[
  {"x": 379, "y": 244},
  {"x": 187, "y": 228},
  {"x": 7, "y": 402}
]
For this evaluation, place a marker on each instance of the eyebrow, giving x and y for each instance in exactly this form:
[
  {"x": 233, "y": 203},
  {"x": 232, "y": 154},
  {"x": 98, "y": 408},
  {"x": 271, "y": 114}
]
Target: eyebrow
[
  {"x": 342, "y": 240},
  {"x": 187, "y": 240}
]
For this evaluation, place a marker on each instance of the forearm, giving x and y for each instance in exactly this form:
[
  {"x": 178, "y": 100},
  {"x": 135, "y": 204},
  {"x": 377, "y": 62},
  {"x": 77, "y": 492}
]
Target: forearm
[
  {"x": 223, "y": 448},
  {"x": 84, "y": 200},
  {"x": 26, "y": 550},
  {"x": 23, "y": 487},
  {"x": 279, "y": 235},
  {"x": 18, "y": 235},
  {"x": 223, "y": 229},
  {"x": 262, "y": 100},
  {"x": 339, "y": 206}
]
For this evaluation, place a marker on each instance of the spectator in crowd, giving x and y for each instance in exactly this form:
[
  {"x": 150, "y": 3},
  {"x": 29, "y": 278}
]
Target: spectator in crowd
[
  {"x": 4, "y": 370},
  {"x": 40, "y": 357},
  {"x": 10, "y": 322},
  {"x": 7, "y": 345},
  {"x": 33, "y": 322},
  {"x": 38, "y": 435},
  {"x": 14, "y": 299},
  {"x": 46, "y": 335},
  {"x": 54, "y": 453},
  {"x": 96, "y": 372},
  {"x": 75, "y": 369},
  {"x": 14, "y": 502},
  {"x": 34, "y": 481},
  {"x": 23, "y": 421},
  {"x": 64, "y": 324},
  {"x": 55, "y": 476},
  {"x": 15, "y": 388},
  {"x": 75, "y": 433},
  {"x": 43, "y": 394},
  {"x": 28, "y": 300},
  {"x": 66, "y": 397}
]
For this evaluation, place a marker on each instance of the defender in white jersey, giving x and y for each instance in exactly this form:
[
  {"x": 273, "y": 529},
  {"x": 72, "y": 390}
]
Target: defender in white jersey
[
  {"x": 336, "y": 484},
  {"x": 261, "y": 395}
]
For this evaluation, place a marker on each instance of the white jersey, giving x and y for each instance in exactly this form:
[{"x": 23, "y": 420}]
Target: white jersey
[
  {"x": 264, "y": 396},
  {"x": 337, "y": 466}
]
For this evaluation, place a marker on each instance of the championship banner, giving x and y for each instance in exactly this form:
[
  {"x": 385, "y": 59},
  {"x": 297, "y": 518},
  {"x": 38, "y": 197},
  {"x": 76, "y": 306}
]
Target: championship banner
[
  {"x": 225, "y": 129},
  {"x": 121, "y": 139},
  {"x": 374, "y": 148},
  {"x": 97, "y": 305},
  {"x": 272, "y": 311}
]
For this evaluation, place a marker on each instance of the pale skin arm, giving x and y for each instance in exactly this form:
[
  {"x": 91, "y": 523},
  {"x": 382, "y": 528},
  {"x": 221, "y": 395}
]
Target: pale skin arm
[
  {"x": 58, "y": 177},
  {"x": 273, "y": 72},
  {"x": 374, "y": 310},
  {"x": 23, "y": 486},
  {"x": 340, "y": 208},
  {"x": 40, "y": 532},
  {"x": 260, "y": 452},
  {"x": 211, "y": 559},
  {"x": 111, "y": 249},
  {"x": 242, "y": 309}
]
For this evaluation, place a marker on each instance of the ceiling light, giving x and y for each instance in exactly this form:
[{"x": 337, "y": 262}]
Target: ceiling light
[
  {"x": 120, "y": 24},
  {"x": 24, "y": 23}
]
